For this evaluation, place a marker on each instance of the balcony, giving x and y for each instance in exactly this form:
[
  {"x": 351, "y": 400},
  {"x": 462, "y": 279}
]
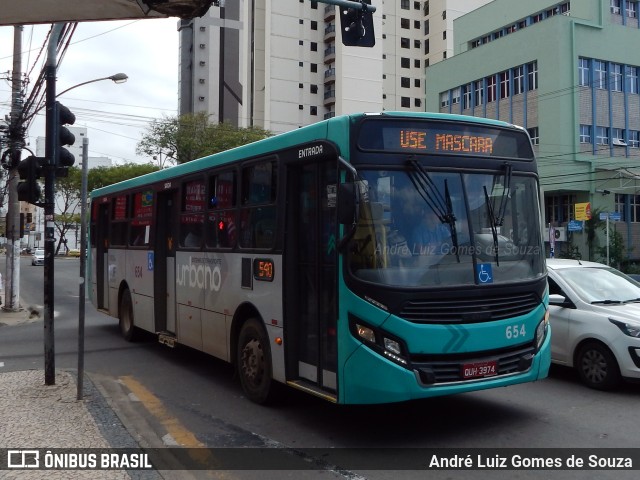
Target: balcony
[
  {"x": 329, "y": 76},
  {"x": 330, "y": 33},
  {"x": 329, "y": 97},
  {"x": 329, "y": 13},
  {"x": 330, "y": 54}
]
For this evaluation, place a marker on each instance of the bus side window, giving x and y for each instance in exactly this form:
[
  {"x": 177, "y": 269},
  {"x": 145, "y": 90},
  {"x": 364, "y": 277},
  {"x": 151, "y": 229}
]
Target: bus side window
[
  {"x": 258, "y": 217},
  {"x": 192, "y": 216},
  {"x": 221, "y": 227}
]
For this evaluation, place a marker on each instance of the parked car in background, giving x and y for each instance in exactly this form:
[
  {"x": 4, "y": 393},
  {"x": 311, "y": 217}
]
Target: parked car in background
[
  {"x": 73, "y": 253},
  {"x": 595, "y": 321},
  {"x": 38, "y": 257}
]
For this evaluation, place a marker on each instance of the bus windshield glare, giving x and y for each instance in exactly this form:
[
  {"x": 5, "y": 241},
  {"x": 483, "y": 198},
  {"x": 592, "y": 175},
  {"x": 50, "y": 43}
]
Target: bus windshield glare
[{"x": 421, "y": 228}]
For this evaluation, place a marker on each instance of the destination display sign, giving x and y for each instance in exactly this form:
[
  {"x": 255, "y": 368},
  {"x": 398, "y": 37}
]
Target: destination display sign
[{"x": 431, "y": 137}]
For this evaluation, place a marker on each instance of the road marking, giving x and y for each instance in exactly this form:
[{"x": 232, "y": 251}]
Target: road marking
[{"x": 173, "y": 426}]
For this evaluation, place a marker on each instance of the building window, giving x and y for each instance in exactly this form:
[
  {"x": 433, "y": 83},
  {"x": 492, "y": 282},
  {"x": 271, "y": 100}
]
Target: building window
[
  {"x": 444, "y": 99},
  {"x": 405, "y": 102},
  {"x": 444, "y": 35},
  {"x": 634, "y": 208},
  {"x": 491, "y": 89},
  {"x": 405, "y": 82},
  {"x": 518, "y": 80},
  {"x": 416, "y": 63},
  {"x": 417, "y": 44},
  {"x": 504, "y": 84},
  {"x": 479, "y": 92},
  {"x": 532, "y": 75},
  {"x": 405, "y": 23},
  {"x": 602, "y": 135},
  {"x": 405, "y": 62},
  {"x": 314, "y": 67},
  {"x": 600, "y": 69},
  {"x": 455, "y": 96},
  {"x": 314, "y": 46},
  {"x": 444, "y": 55},
  {"x": 585, "y": 133},
  {"x": 559, "y": 208},
  {"x": 466, "y": 96},
  {"x": 416, "y": 24},
  {"x": 313, "y": 88},
  {"x": 533, "y": 133},
  {"x": 634, "y": 139},
  {"x": 404, "y": 43},
  {"x": 615, "y": 6},
  {"x": 404, "y": 4},
  {"x": 416, "y": 82},
  {"x": 417, "y": 102},
  {"x": 616, "y": 77},
  {"x": 313, "y": 110},
  {"x": 621, "y": 203},
  {"x": 584, "y": 73},
  {"x": 617, "y": 137},
  {"x": 632, "y": 9},
  {"x": 632, "y": 79}
]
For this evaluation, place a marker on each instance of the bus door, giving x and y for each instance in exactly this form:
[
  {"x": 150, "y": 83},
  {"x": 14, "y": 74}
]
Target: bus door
[
  {"x": 102, "y": 255},
  {"x": 311, "y": 280},
  {"x": 164, "y": 263}
]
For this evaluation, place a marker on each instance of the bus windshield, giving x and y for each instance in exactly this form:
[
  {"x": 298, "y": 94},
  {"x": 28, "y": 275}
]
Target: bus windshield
[{"x": 432, "y": 228}]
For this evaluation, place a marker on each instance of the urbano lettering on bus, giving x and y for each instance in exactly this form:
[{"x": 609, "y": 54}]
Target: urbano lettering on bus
[
  {"x": 201, "y": 274},
  {"x": 310, "y": 151}
]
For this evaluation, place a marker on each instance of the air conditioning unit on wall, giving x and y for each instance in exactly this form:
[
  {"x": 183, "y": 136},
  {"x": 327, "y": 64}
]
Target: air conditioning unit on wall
[{"x": 560, "y": 234}]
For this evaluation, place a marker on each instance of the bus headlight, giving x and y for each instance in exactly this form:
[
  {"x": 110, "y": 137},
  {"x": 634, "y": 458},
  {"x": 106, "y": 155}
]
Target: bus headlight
[
  {"x": 541, "y": 330},
  {"x": 379, "y": 341}
]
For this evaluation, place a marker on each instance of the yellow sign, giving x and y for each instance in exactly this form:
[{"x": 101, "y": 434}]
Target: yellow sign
[{"x": 583, "y": 211}]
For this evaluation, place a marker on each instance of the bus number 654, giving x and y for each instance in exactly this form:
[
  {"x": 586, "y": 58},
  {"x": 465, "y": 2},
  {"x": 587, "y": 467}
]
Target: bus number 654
[{"x": 515, "y": 331}]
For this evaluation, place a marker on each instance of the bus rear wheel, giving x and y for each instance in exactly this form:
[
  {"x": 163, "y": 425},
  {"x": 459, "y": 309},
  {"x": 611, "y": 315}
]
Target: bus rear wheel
[
  {"x": 125, "y": 313},
  {"x": 253, "y": 361}
]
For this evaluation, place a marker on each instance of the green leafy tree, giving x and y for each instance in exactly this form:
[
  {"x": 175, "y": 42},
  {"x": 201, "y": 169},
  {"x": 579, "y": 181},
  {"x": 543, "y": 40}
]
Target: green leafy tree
[
  {"x": 617, "y": 249},
  {"x": 175, "y": 140}
]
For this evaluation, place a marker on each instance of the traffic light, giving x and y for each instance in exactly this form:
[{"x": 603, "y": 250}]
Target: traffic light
[
  {"x": 357, "y": 26},
  {"x": 30, "y": 170},
  {"x": 63, "y": 157}
]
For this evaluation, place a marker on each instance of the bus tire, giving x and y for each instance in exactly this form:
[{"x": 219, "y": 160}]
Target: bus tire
[
  {"x": 125, "y": 315},
  {"x": 253, "y": 362}
]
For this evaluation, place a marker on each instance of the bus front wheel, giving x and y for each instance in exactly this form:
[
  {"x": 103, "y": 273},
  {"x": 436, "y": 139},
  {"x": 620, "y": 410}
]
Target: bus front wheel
[
  {"x": 253, "y": 361},
  {"x": 127, "y": 327}
]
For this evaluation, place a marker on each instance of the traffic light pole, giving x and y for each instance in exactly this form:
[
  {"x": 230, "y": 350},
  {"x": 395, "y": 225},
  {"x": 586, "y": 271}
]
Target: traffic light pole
[{"x": 49, "y": 169}]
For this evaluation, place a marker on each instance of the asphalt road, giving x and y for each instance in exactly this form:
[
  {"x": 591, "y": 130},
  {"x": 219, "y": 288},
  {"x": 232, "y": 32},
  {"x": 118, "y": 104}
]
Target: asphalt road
[{"x": 203, "y": 395}]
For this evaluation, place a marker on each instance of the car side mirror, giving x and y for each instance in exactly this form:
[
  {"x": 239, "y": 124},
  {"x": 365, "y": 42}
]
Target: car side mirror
[{"x": 560, "y": 301}]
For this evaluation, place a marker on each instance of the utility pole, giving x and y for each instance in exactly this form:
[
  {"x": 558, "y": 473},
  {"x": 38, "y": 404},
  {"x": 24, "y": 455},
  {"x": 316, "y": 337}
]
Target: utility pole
[
  {"x": 16, "y": 143},
  {"x": 51, "y": 146}
]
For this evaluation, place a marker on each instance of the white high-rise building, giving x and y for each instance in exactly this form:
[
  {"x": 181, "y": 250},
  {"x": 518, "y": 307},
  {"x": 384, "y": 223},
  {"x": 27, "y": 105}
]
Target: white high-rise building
[{"x": 281, "y": 64}]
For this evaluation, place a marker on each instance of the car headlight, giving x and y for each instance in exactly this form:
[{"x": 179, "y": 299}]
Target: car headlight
[
  {"x": 627, "y": 328},
  {"x": 541, "y": 330}
]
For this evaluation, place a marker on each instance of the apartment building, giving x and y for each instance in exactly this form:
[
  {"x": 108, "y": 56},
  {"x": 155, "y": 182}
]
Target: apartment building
[
  {"x": 565, "y": 71},
  {"x": 281, "y": 64}
]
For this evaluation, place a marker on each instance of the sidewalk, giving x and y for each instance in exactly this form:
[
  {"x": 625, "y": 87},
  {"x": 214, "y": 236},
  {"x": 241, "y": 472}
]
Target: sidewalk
[{"x": 33, "y": 415}]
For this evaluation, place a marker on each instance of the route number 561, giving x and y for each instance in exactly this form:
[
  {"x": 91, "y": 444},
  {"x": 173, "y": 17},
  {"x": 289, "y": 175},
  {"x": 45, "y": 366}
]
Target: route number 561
[{"x": 515, "y": 331}]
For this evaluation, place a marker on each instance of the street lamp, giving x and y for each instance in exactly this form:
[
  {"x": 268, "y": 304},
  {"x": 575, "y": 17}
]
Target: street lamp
[{"x": 116, "y": 78}]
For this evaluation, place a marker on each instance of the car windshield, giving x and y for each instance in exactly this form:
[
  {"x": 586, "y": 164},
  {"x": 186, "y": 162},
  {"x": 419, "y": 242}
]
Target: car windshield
[
  {"x": 600, "y": 285},
  {"x": 39, "y": 253},
  {"x": 433, "y": 228}
]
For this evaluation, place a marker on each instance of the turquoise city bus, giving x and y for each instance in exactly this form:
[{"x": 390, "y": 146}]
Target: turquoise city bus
[{"x": 368, "y": 258}]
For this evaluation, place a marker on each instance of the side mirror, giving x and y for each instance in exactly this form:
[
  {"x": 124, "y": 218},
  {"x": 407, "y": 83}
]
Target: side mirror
[
  {"x": 560, "y": 301},
  {"x": 346, "y": 203}
]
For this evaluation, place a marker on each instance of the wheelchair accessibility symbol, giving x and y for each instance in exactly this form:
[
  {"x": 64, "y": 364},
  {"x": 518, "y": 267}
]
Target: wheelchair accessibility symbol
[{"x": 484, "y": 274}]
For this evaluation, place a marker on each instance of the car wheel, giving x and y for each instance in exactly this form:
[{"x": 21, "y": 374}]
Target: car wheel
[
  {"x": 597, "y": 366},
  {"x": 127, "y": 327},
  {"x": 253, "y": 361}
]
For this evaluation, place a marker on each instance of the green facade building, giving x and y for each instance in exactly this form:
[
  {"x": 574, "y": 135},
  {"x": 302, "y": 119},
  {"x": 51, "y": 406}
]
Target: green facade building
[{"x": 568, "y": 73}]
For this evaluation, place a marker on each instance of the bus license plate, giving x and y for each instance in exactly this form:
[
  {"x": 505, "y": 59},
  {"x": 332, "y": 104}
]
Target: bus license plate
[{"x": 479, "y": 369}]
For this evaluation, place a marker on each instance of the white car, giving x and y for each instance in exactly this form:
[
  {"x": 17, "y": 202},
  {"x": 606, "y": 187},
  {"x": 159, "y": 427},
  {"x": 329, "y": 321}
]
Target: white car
[
  {"x": 595, "y": 321},
  {"x": 38, "y": 257}
]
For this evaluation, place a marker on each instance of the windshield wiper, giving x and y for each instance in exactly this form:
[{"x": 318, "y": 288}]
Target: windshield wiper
[
  {"x": 607, "y": 302},
  {"x": 440, "y": 205},
  {"x": 632, "y": 300},
  {"x": 492, "y": 224}
]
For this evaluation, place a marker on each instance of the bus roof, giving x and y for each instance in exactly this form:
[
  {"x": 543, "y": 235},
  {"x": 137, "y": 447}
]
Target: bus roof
[{"x": 337, "y": 128}]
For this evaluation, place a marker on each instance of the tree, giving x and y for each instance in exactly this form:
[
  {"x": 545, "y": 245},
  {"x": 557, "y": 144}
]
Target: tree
[{"x": 191, "y": 136}]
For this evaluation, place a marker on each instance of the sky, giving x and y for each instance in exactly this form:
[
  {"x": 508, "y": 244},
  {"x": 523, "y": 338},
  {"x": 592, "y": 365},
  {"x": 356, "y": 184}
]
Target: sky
[{"x": 115, "y": 115}]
